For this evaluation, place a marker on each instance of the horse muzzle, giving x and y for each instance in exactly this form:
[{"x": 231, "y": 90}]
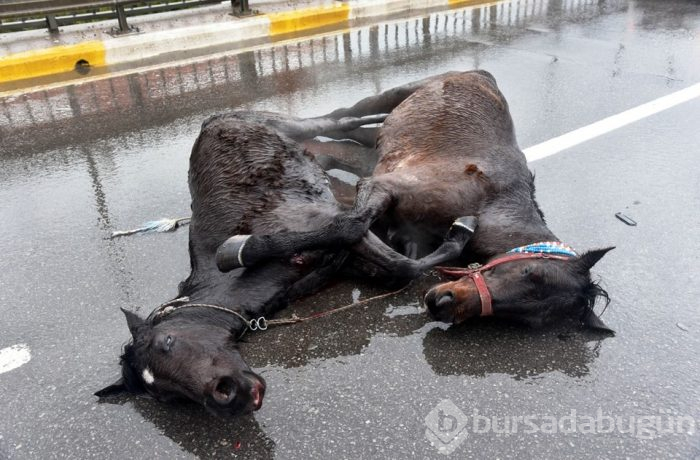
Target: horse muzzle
[{"x": 452, "y": 302}]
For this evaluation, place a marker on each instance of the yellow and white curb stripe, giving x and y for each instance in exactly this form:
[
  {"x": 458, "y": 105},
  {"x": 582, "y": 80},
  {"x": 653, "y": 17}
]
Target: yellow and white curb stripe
[
  {"x": 49, "y": 61},
  {"x": 133, "y": 48}
]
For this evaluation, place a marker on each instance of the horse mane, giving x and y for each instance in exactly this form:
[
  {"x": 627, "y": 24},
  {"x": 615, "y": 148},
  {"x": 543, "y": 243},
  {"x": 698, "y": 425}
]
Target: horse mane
[
  {"x": 534, "y": 201},
  {"x": 591, "y": 293}
]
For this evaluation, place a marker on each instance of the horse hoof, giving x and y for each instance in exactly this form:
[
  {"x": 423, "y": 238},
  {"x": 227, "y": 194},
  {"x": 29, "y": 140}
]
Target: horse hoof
[
  {"x": 462, "y": 227},
  {"x": 229, "y": 255}
]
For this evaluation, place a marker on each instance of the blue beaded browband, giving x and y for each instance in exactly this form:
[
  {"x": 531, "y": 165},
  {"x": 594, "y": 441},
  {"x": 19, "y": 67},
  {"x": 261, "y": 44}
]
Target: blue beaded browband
[{"x": 547, "y": 247}]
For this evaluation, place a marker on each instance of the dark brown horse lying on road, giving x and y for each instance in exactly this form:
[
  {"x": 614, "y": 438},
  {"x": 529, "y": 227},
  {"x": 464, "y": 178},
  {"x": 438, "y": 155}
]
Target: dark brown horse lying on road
[
  {"x": 450, "y": 150},
  {"x": 248, "y": 174}
]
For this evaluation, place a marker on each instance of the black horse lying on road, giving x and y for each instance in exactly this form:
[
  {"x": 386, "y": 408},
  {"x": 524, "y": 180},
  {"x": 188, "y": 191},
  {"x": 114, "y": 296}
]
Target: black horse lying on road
[
  {"x": 446, "y": 151},
  {"x": 249, "y": 174}
]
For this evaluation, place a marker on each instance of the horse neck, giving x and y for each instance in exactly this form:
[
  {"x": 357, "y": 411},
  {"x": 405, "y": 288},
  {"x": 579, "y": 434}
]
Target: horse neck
[
  {"x": 499, "y": 232},
  {"x": 214, "y": 288},
  {"x": 254, "y": 297},
  {"x": 209, "y": 290}
]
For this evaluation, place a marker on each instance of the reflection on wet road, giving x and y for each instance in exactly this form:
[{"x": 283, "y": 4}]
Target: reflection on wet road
[{"x": 81, "y": 161}]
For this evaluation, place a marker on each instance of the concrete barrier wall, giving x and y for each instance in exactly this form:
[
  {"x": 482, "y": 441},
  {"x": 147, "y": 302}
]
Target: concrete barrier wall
[{"x": 134, "y": 48}]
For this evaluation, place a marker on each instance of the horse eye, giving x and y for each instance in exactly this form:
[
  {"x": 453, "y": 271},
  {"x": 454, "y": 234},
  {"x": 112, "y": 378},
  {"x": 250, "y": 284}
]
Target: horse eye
[
  {"x": 526, "y": 271},
  {"x": 168, "y": 343}
]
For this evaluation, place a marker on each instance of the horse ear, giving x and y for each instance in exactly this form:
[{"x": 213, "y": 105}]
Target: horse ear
[
  {"x": 133, "y": 321},
  {"x": 592, "y": 321},
  {"x": 590, "y": 258},
  {"x": 116, "y": 388}
]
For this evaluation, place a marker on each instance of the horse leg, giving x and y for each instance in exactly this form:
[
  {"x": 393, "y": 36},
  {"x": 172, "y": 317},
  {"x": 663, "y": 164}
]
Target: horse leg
[
  {"x": 374, "y": 259},
  {"x": 308, "y": 284},
  {"x": 315, "y": 281},
  {"x": 346, "y": 156},
  {"x": 384, "y": 102},
  {"x": 374, "y": 197},
  {"x": 347, "y": 122},
  {"x": 365, "y": 136},
  {"x": 301, "y": 129}
]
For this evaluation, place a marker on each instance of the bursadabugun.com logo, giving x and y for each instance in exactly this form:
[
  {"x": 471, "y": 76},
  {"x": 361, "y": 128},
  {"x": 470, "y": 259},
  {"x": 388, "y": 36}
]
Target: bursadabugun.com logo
[{"x": 447, "y": 426}]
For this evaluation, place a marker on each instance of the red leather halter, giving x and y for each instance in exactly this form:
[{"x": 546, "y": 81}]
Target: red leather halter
[{"x": 475, "y": 274}]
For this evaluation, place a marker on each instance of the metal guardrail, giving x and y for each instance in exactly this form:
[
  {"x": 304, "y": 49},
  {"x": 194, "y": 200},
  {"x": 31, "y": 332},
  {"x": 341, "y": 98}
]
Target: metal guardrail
[{"x": 36, "y": 14}]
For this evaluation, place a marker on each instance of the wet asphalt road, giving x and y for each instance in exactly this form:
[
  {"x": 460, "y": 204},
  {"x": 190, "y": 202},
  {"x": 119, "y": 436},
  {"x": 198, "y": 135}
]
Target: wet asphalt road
[{"x": 81, "y": 161}]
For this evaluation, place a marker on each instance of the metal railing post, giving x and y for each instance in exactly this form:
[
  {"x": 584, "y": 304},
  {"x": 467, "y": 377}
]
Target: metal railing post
[
  {"x": 51, "y": 23},
  {"x": 240, "y": 7},
  {"x": 121, "y": 17}
]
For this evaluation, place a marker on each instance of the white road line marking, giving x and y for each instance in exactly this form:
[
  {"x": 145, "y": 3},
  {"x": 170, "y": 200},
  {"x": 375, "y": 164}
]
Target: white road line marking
[
  {"x": 14, "y": 357},
  {"x": 586, "y": 133}
]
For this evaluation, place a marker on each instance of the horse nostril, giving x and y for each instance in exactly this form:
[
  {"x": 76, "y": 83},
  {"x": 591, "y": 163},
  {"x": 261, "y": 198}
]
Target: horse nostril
[
  {"x": 225, "y": 390},
  {"x": 256, "y": 394},
  {"x": 257, "y": 389},
  {"x": 447, "y": 298}
]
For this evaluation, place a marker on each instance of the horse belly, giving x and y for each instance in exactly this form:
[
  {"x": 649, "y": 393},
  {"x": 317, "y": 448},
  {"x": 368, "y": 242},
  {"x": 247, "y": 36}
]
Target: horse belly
[{"x": 422, "y": 217}]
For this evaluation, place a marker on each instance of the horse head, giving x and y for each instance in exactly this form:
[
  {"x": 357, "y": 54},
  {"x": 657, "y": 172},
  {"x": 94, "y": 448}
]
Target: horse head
[
  {"x": 535, "y": 289},
  {"x": 184, "y": 356}
]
